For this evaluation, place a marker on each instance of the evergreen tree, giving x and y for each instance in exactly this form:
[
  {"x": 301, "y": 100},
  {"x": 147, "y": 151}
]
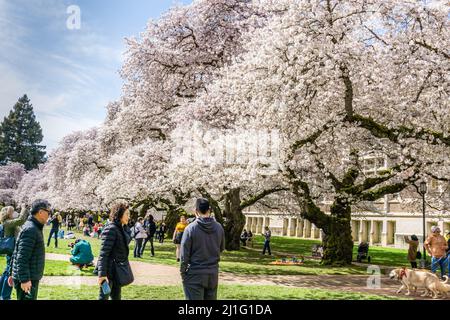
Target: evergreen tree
[{"x": 20, "y": 135}]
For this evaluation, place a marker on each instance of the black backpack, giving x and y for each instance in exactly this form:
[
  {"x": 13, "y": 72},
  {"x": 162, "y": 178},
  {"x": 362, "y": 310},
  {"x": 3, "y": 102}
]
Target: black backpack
[{"x": 418, "y": 255}]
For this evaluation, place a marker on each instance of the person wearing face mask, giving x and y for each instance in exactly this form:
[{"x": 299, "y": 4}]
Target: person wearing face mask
[{"x": 11, "y": 222}]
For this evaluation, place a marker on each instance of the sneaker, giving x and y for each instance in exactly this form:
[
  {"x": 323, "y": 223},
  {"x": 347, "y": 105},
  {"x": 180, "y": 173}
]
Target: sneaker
[{"x": 178, "y": 260}]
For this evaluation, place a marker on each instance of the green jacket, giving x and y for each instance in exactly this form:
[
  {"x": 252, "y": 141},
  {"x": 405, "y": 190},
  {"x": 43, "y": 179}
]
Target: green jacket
[
  {"x": 82, "y": 253},
  {"x": 29, "y": 255},
  {"x": 12, "y": 227}
]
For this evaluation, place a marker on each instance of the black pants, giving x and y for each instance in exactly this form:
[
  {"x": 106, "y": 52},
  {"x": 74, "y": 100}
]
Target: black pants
[
  {"x": 266, "y": 247},
  {"x": 21, "y": 295},
  {"x": 116, "y": 292},
  {"x": 161, "y": 237},
  {"x": 414, "y": 264},
  {"x": 152, "y": 249},
  {"x": 244, "y": 242},
  {"x": 53, "y": 232},
  {"x": 137, "y": 247},
  {"x": 200, "y": 286}
]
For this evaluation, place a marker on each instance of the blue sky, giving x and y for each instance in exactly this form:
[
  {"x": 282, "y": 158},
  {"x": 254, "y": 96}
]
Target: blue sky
[{"x": 69, "y": 75}]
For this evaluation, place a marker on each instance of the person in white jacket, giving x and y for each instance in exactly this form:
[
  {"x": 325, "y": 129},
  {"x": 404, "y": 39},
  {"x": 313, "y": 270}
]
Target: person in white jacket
[{"x": 139, "y": 235}]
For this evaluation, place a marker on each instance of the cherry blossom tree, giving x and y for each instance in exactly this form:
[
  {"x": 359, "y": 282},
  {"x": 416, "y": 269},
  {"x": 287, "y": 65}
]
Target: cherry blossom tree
[
  {"x": 10, "y": 176},
  {"x": 343, "y": 80}
]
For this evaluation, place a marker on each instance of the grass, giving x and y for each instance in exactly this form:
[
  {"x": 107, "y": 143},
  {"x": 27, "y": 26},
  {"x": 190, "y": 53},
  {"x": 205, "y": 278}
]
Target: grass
[
  {"x": 379, "y": 255},
  {"x": 243, "y": 262},
  {"x": 250, "y": 262},
  {"x": 57, "y": 268},
  {"x": 225, "y": 292}
]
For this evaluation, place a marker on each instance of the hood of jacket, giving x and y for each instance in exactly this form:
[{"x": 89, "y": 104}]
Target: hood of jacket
[{"x": 207, "y": 225}]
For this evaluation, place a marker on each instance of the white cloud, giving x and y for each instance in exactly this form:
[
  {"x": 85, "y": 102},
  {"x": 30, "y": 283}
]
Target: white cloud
[
  {"x": 69, "y": 85},
  {"x": 11, "y": 89},
  {"x": 55, "y": 127}
]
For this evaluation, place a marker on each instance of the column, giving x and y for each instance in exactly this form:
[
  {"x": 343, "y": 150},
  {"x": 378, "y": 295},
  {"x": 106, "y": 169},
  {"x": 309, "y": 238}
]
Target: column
[
  {"x": 247, "y": 223},
  {"x": 307, "y": 229},
  {"x": 315, "y": 234},
  {"x": 372, "y": 233},
  {"x": 267, "y": 221},
  {"x": 292, "y": 227},
  {"x": 384, "y": 234},
  {"x": 300, "y": 227},
  {"x": 254, "y": 224},
  {"x": 260, "y": 223},
  {"x": 361, "y": 231},
  {"x": 355, "y": 230}
]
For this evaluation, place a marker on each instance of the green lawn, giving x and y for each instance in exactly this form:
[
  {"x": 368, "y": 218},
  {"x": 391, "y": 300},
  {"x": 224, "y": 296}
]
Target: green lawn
[
  {"x": 379, "y": 255},
  {"x": 57, "y": 268},
  {"x": 243, "y": 262},
  {"x": 225, "y": 292}
]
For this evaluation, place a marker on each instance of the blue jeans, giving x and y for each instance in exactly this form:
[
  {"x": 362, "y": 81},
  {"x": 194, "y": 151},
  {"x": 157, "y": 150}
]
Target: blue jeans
[
  {"x": 439, "y": 262},
  {"x": 53, "y": 232},
  {"x": 5, "y": 289},
  {"x": 266, "y": 247}
]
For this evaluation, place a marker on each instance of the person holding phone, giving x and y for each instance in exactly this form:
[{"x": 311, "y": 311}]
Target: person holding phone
[
  {"x": 29, "y": 255},
  {"x": 113, "y": 267}
]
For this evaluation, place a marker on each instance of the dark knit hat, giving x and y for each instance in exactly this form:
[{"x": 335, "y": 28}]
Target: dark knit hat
[{"x": 202, "y": 205}]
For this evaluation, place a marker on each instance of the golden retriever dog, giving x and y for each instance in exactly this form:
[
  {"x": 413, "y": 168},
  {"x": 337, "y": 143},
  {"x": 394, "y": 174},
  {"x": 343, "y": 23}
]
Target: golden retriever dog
[
  {"x": 435, "y": 288},
  {"x": 413, "y": 279}
]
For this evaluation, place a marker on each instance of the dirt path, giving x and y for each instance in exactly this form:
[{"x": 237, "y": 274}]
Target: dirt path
[{"x": 157, "y": 274}]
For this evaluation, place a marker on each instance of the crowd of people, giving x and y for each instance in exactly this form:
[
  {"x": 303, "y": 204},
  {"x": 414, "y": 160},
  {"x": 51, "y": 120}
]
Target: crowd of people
[
  {"x": 199, "y": 243},
  {"x": 26, "y": 254}
]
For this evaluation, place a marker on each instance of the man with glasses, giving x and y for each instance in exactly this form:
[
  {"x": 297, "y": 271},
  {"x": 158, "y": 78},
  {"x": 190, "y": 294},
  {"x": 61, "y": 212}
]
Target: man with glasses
[{"x": 29, "y": 255}]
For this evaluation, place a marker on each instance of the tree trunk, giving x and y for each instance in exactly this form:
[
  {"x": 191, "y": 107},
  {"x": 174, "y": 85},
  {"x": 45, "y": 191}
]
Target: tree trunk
[
  {"x": 235, "y": 220},
  {"x": 338, "y": 242},
  {"x": 171, "y": 220}
]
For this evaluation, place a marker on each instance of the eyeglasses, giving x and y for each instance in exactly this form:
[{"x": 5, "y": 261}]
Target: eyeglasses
[{"x": 49, "y": 211}]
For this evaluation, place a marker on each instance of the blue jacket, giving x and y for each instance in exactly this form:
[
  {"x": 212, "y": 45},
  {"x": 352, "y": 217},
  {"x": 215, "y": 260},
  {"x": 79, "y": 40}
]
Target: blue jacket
[{"x": 82, "y": 253}]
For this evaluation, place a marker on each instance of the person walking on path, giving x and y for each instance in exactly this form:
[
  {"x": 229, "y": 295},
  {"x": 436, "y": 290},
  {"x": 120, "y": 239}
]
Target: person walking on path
[
  {"x": 162, "y": 232},
  {"x": 267, "y": 235},
  {"x": 150, "y": 228},
  {"x": 178, "y": 235},
  {"x": 29, "y": 255},
  {"x": 201, "y": 245},
  {"x": 55, "y": 222},
  {"x": 412, "y": 250},
  {"x": 113, "y": 265},
  {"x": 436, "y": 247},
  {"x": 139, "y": 236},
  {"x": 11, "y": 223}
]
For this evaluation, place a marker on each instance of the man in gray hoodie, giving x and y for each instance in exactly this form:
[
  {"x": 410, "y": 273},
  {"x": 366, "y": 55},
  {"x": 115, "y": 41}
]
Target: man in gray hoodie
[{"x": 203, "y": 241}]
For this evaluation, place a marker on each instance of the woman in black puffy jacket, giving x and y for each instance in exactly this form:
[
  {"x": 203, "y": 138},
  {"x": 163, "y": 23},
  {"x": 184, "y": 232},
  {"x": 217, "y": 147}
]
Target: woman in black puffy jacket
[{"x": 113, "y": 265}]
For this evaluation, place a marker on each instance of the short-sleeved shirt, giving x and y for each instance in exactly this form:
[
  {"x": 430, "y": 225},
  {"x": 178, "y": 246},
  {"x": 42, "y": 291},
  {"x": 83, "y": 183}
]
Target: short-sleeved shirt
[
  {"x": 438, "y": 245},
  {"x": 180, "y": 227}
]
